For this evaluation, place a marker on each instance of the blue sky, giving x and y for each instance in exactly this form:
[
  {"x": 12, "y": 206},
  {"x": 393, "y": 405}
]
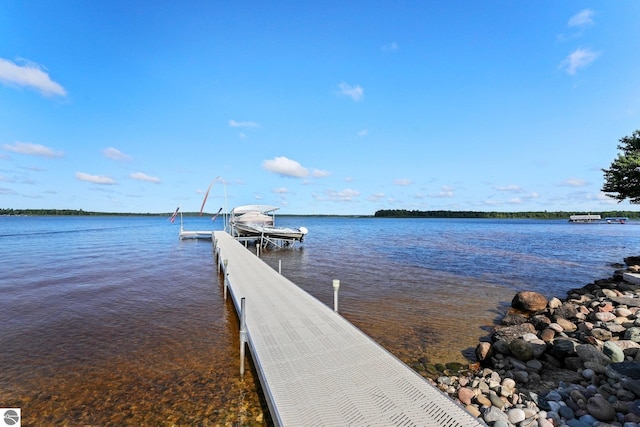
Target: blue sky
[{"x": 327, "y": 107}]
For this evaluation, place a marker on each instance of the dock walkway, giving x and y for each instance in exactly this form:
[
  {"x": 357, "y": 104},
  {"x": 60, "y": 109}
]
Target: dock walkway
[{"x": 316, "y": 368}]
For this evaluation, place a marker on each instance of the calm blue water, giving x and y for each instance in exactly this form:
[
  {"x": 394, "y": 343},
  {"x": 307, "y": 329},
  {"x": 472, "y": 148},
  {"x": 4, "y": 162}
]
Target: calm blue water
[{"x": 109, "y": 320}]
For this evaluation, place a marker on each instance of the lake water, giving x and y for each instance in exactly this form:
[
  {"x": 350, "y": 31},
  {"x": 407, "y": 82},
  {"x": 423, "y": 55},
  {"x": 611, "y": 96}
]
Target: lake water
[{"x": 115, "y": 321}]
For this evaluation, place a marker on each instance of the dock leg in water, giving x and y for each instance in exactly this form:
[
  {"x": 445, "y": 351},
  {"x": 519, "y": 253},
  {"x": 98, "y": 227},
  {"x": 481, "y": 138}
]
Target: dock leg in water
[{"x": 243, "y": 335}]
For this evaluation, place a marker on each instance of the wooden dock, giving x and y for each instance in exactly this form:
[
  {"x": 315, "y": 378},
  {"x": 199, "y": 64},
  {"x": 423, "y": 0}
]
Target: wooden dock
[{"x": 316, "y": 368}]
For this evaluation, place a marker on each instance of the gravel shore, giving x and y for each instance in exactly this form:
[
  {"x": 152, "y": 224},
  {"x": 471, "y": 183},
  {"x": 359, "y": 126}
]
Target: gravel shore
[{"x": 557, "y": 362}]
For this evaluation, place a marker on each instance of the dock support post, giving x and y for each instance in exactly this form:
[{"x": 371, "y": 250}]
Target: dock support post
[
  {"x": 243, "y": 335},
  {"x": 336, "y": 286},
  {"x": 279, "y": 266},
  {"x": 226, "y": 277}
]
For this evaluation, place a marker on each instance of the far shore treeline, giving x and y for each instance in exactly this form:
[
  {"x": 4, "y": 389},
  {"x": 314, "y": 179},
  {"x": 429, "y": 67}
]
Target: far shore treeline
[
  {"x": 403, "y": 213},
  {"x": 386, "y": 213}
]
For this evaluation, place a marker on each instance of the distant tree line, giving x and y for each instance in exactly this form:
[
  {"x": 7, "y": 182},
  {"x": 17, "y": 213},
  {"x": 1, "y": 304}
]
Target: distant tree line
[
  {"x": 403, "y": 213},
  {"x": 63, "y": 212}
]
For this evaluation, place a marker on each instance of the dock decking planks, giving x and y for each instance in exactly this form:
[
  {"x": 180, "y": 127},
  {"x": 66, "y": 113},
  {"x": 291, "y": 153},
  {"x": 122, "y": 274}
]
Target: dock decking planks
[{"x": 316, "y": 368}]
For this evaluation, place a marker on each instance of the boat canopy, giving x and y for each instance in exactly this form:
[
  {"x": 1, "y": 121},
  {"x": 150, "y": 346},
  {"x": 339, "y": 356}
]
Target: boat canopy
[{"x": 239, "y": 210}]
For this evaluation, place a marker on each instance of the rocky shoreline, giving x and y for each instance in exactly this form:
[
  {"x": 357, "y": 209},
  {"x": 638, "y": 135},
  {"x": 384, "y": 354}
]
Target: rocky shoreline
[{"x": 572, "y": 362}]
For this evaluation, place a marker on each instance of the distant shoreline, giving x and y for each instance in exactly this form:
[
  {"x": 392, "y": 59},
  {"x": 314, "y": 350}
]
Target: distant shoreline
[{"x": 393, "y": 213}]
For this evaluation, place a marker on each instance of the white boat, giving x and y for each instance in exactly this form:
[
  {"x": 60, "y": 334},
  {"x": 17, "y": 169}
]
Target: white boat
[
  {"x": 258, "y": 222},
  {"x": 585, "y": 219},
  {"x": 616, "y": 219}
]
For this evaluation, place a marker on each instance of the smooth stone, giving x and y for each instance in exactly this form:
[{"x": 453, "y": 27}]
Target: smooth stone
[
  {"x": 587, "y": 374},
  {"x": 473, "y": 410},
  {"x": 604, "y": 316},
  {"x": 521, "y": 377},
  {"x": 566, "y": 412},
  {"x": 553, "y": 395},
  {"x": 601, "y": 334},
  {"x": 493, "y": 414},
  {"x": 496, "y": 400},
  {"x": 567, "y": 311},
  {"x": 555, "y": 327},
  {"x": 566, "y": 325},
  {"x": 601, "y": 409},
  {"x": 547, "y": 335},
  {"x": 632, "y": 385},
  {"x": 623, "y": 312},
  {"x": 615, "y": 328},
  {"x": 578, "y": 423},
  {"x": 483, "y": 400},
  {"x": 515, "y": 415},
  {"x": 508, "y": 383},
  {"x": 534, "y": 364},
  {"x": 465, "y": 395},
  {"x": 613, "y": 351},
  {"x": 554, "y": 303},
  {"x": 482, "y": 351},
  {"x": 500, "y": 347},
  {"x": 628, "y": 345},
  {"x": 543, "y": 422},
  {"x": 563, "y": 347},
  {"x": 529, "y": 301},
  {"x": 554, "y": 406},
  {"x": 539, "y": 346}
]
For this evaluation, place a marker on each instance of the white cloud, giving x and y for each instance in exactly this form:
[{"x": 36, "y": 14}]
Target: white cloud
[
  {"x": 447, "y": 192},
  {"x": 354, "y": 92},
  {"x": 285, "y": 167},
  {"x": 346, "y": 195},
  {"x": 584, "y": 17},
  {"x": 515, "y": 201},
  {"x": 402, "y": 182},
  {"x": 235, "y": 124},
  {"x": 513, "y": 188},
  {"x": 363, "y": 132},
  {"x": 115, "y": 154},
  {"x": 604, "y": 199},
  {"x": 390, "y": 47},
  {"x": 30, "y": 75},
  {"x": 32, "y": 149},
  {"x": 317, "y": 173},
  {"x": 95, "y": 179},
  {"x": 574, "y": 182},
  {"x": 139, "y": 176},
  {"x": 376, "y": 197},
  {"x": 443, "y": 195},
  {"x": 281, "y": 190},
  {"x": 578, "y": 59}
]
